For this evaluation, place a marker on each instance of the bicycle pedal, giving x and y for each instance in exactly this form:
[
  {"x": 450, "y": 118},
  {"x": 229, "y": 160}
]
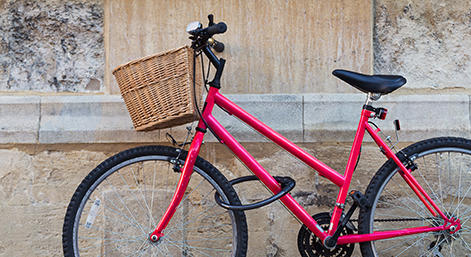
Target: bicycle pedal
[{"x": 359, "y": 199}]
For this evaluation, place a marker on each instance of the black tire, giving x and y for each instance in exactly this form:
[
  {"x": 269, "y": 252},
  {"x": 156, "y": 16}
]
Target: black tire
[
  {"x": 134, "y": 188},
  {"x": 444, "y": 172}
]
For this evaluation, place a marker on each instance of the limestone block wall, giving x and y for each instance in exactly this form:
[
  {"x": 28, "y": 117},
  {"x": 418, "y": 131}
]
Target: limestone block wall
[
  {"x": 52, "y": 46},
  {"x": 61, "y": 113},
  {"x": 271, "y": 47},
  {"x": 425, "y": 41}
]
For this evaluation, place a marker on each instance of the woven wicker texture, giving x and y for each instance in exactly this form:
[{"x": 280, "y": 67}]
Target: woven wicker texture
[{"x": 158, "y": 89}]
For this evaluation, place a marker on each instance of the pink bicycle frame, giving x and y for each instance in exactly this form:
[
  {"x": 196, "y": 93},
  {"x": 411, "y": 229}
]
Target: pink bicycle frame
[{"x": 343, "y": 182}]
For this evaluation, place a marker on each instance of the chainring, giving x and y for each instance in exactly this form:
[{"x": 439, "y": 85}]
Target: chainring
[{"x": 310, "y": 245}]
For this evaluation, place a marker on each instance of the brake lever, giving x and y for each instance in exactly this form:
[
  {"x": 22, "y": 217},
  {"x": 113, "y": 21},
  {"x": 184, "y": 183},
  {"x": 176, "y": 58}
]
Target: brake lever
[{"x": 216, "y": 45}]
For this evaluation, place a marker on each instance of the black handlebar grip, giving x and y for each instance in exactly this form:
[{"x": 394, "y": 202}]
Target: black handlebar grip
[
  {"x": 219, "y": 28},
  {"x": 218, "y": 46}
]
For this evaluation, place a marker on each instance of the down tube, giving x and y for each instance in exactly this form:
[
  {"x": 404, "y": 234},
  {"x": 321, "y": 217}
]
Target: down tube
[
  {"x": 278, "y": 139},
  {"x": 263, "y": 175}
]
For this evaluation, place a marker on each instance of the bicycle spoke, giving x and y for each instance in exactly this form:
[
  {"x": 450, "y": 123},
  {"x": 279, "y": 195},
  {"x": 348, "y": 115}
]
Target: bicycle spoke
[
  {"x": 394, "y": 246},
  {"x": 125, "y": 206},
  {"x": 153, "y": 187},
  {"x": 115, "y": 220},
  {"x": 449, "y": 179},
  {"x": 459, "y": 189},
  {"x": 436, "y": 247},
  {"x": 407, "y": 208},
  {"x": 182, "y": 223},
  {"x": 142, "y": 249},
  {"x": 411, "y": 245},
  {"x": 112, "y": 232},
  {"x": 129, "y": 188},
  {"x": 140, "y": 191},
  {"x": 468, "y": 247},
  {"x": 110, "y": 243},
  {"x": 199, "y": 240},
  {"x": 203, "y": 248},
  {"x": 133, "y": 220},
  {"x": 427, "y": 183},
  {"x": 469, "y": 207},
  {"x": 115, "y": 249}
]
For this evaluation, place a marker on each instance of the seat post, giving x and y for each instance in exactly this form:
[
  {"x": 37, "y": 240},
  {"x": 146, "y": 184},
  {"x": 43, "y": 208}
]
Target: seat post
[{"x": 371, "y": 97}]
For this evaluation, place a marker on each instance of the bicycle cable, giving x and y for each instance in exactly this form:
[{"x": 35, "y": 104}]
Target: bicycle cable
[
  {"x": 205, "y": 78},
  {"x": 196, "y": 98}
]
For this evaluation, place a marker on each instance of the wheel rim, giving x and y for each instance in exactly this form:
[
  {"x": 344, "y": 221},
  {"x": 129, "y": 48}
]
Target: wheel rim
[
  {"x": 129, "y": 210},
  {"x": 444, "y": 174}
]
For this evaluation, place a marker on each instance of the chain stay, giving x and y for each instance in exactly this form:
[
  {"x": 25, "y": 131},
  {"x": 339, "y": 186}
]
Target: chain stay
[{"x": 397, "y": 220}]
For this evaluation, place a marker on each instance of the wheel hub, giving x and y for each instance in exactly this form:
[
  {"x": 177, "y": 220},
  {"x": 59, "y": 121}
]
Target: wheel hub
[
  {"x": 446, "y": 236},
  {"x": 155, "y": 238}
]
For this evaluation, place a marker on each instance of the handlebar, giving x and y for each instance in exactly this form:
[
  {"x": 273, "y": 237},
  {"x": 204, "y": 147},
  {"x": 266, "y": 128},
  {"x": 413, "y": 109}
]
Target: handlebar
[
  {"x": 219, "y": 28},
  {"x": 201, "y": 36},
  {"x": 211, "y": 30},
  {"x": 203, "y": 41}
]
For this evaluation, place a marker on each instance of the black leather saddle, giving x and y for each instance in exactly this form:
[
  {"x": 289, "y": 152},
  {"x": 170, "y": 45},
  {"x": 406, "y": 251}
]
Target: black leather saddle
[{"x": 383, "y": 84}]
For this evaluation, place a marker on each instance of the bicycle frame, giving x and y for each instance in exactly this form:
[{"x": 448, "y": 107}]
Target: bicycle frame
[{"x": 342, "y": 181}]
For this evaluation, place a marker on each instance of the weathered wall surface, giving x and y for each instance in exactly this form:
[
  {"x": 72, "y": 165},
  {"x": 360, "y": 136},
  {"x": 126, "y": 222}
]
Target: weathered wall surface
[
  {"x": 36, "y": 183},
  {"x": 428, "y": 42},
  {"x": 51, "y": 46},
  {"x": 271, "y": 46},
  {"x": 34, "y": 191},
  {"x": 49, "y": 142}
]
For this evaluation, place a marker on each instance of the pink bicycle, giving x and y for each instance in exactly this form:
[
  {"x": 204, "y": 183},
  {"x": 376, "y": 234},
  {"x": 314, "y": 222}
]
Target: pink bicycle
[{"x": 165, "y": 201}]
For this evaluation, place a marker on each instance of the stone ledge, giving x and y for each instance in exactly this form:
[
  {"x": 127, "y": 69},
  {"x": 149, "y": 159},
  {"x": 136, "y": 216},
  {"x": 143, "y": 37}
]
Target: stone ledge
[
  {"x": 19, "y": 119},
  {"x": 283, "y": 113},
  {"x": 301, "y": 118},
  {"x": 421, "y": 116},
  {"x": 90, "y": 119}
]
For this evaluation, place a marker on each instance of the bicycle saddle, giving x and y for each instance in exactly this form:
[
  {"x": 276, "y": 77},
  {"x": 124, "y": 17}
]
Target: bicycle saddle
[{"x": 383, "y": 84}]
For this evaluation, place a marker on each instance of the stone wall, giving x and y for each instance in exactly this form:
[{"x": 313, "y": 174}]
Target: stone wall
[
  {"x": 51, "y": 46},
  {"x": 281, "y": 47},
  {"x": 36, "y": 183},
  {"x": 50, "y": 139},
  {"x": 425, "y": 41}
]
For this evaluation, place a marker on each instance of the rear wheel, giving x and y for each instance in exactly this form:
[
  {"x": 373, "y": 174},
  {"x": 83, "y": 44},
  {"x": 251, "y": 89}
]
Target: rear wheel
[
  {"x": 118, "y": 205},
  {"x": 444, "y": 172}
]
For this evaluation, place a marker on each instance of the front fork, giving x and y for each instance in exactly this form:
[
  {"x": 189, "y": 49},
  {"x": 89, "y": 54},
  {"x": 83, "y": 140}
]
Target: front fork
[{"x": 186, "y": 173}]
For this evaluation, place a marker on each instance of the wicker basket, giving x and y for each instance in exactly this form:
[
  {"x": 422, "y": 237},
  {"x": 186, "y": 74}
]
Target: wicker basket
[{"x": 158, "y": 89}]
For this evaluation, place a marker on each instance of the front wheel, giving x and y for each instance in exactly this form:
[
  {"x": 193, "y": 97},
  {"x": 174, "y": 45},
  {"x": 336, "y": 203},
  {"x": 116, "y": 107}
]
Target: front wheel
[
  {"x": 118, "y": 205},
  {"x": 444, "y": 172}
]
